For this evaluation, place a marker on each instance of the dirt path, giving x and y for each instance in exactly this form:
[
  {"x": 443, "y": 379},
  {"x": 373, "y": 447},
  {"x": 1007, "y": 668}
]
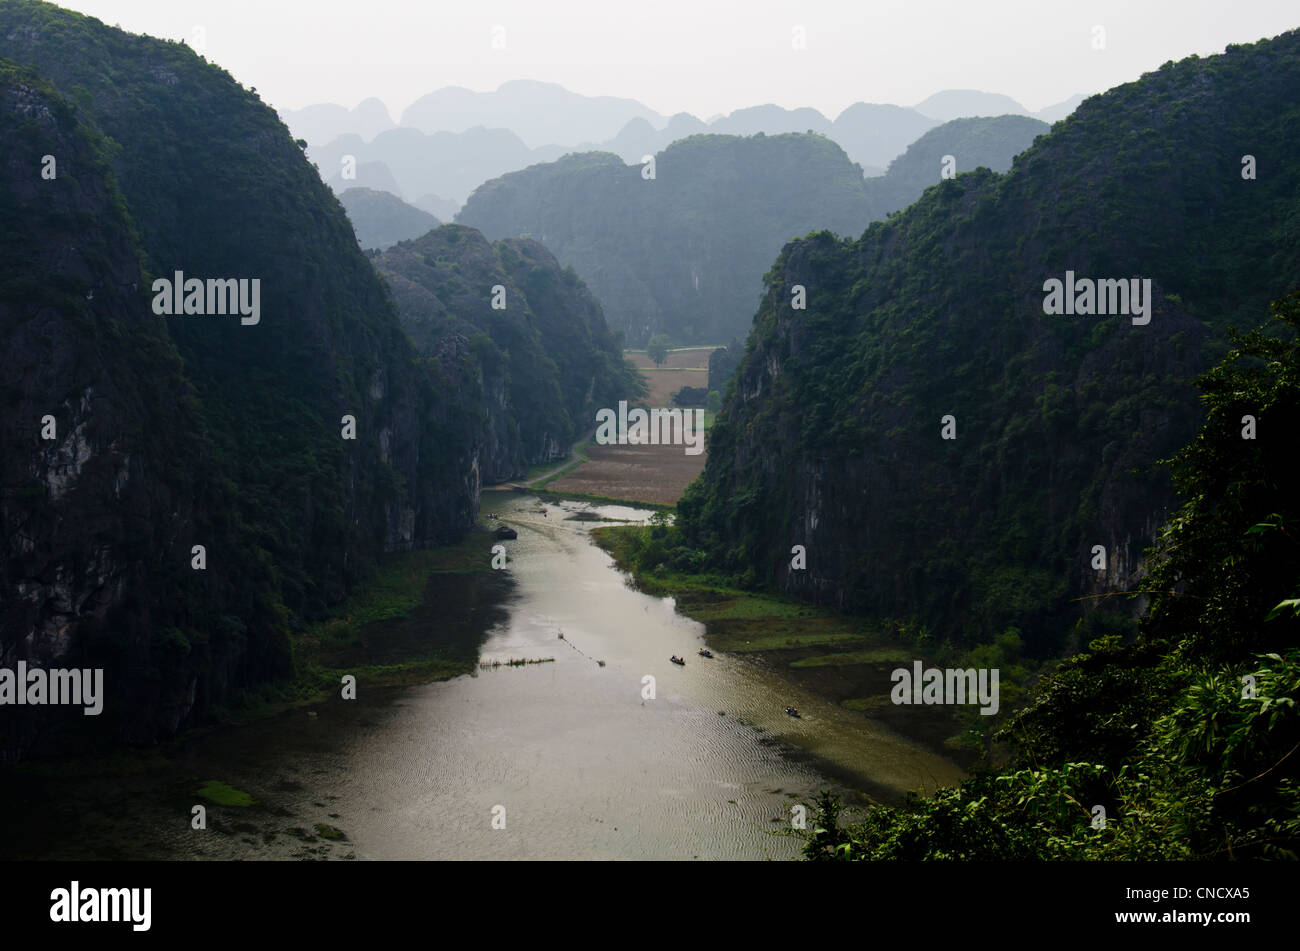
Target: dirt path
[{"x": 570, "y": 460}]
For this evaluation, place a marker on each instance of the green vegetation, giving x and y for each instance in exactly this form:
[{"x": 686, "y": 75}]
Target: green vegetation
[
  {"x": 544, "y": 354},
  {"x": 224, "y": 795},
  {"x": 738, "y": 620},
  {"x": 580, "y": 451},
  {"x": 1186, "y": 737},
  {"x": 989, "y": 142},
  {"x": 722, "y": 364},
  {"x": 685, "y": 254},
  {"x": 232, "y": 432},
  {"x": 692, "y": 396},
  {"x": 830, "y": 431},
  {"x": 741, "y": 619},
  {"x": 341, "y": 644},
  {"x": 657, "y": 349},
  {"x": 396, "y": 589},
  {"x": 230, "y": 436},
  {"x": 883, "y": 656}
]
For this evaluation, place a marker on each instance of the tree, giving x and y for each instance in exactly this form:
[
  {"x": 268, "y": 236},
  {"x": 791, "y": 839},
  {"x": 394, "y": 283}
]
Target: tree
[
  {"x": 1234, "y": 541},
  {"x": 713, "y": 402},
  {"x": 658, "y": 349}
]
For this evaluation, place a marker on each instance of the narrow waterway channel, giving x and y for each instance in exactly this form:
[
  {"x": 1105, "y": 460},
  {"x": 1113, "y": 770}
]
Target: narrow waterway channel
[{"x": 567, "y": 759}]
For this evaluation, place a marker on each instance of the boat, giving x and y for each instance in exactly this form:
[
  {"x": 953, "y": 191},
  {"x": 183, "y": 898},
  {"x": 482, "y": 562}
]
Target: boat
[
  {"x": 704, "y": 652},
  {"x": 792, "y": 711},
  {"x": 678, "y": 660}
]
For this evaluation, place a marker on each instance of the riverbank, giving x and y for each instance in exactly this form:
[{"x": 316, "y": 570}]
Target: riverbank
[
  {"x": 844, "y": 659},
  {"x": 610, "y": 475},
  {"x": 707, "y": 766},
  {"x": 362, "y": 637},
  {"x": 419, "y": 620},
  {"x": 366, "y": 637}
]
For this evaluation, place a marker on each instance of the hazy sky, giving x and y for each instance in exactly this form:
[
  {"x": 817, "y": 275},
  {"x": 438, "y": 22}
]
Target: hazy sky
[{"x": 699, "y": 56}]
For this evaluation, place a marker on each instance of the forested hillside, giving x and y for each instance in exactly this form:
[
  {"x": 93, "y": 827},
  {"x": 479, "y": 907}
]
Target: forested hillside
[
  {"x": 933, "y": 324},
  {"x": 971, "y": 143},
  {"x": 1181, "y": 744},
  {"x": 549, "y": 360},
  {"x": 249, "y": 457},
  {"x": 381, "y": 219},
  {"x": 679, "y": 253},
  {"x": 297, "y": 442},
  {"x": 683, "y": 253}
]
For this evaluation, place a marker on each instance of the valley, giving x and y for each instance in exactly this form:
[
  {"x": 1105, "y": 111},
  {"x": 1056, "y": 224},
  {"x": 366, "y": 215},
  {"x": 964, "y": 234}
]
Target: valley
[
  {"x": 760, "y": 487},
  {"x": 657, "y": 474}
]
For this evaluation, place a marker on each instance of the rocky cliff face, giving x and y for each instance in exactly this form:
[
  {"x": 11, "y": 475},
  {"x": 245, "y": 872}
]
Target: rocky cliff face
[
  {"x": 190, "y": 430},
  {"x": 97, "y": 427},
  {"x": 297, "y": 436},
  {"x": 896, "y": 517}
]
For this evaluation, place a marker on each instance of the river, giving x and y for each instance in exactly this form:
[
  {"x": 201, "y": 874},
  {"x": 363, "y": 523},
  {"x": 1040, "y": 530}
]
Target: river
[{"x": 568, "y": 759}]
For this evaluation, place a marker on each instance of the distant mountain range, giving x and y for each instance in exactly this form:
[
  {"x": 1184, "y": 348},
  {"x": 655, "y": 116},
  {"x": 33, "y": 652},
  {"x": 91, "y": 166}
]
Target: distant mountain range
[
  {"x": 539, "y": 113},
  {"x": 452, "y": 140},
  {"x": 684, "y": 253},
  {"x": 543, "y": 114}
]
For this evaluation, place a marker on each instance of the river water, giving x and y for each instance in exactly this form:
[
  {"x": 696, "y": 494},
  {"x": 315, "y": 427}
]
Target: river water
[{"x": 569, "y": 759}]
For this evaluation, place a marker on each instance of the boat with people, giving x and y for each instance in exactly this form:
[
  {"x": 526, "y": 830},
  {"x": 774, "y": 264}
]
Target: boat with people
[
  {"x": 792, "y": 712},
  {"x": 704, "y": 652},
  {"x": 681, "y": 662}
]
